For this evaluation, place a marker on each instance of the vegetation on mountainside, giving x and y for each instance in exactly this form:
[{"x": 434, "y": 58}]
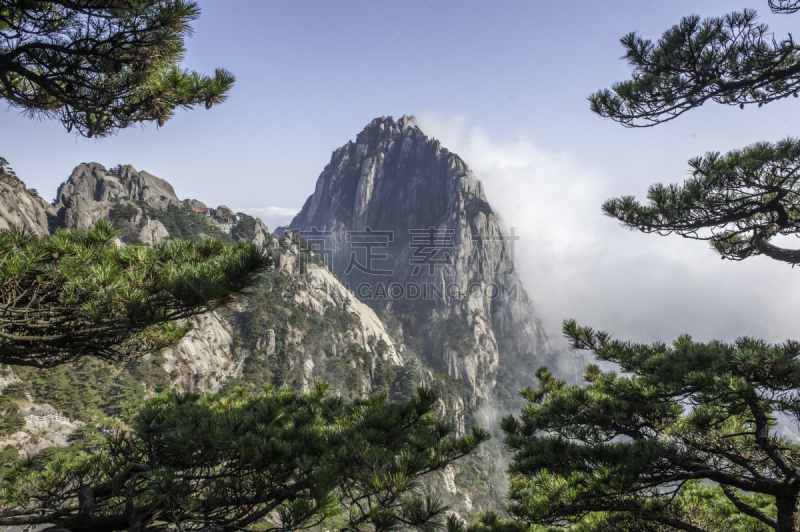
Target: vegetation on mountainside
[
  {"x": 349, "y": 368},
  {"x": 206, "y": 461},
  {"x": 11, "y": 420},
  {"x": 474, "y": 205},
  {"x": 180, "y": 222},
  {"x": 93, "y": 390},
  {"x": 245, "y": 227},
  {"x": 76, "y": 294}
]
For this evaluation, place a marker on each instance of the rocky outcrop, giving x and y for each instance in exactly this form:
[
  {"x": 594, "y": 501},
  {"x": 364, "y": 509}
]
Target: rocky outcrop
[
  {"x": 403, "y": 220},
  {"x": 195, "y": 204},
  {"x": 91, "y": 191},
  {"x": 43, "y": 428},
  {"x": 203, "y": 359},
  {"x": 321, "y": 289},
  {"x": 7, "y": 376},
  {"x": 23, "y": 208},
  {"x": 223, "y": 211},
  {"x": 153, "y": 232},
  {"x": 261, "y": 236}
]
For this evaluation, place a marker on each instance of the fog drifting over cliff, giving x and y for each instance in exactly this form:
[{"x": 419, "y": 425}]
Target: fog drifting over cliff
[{"x": 577, "y": 263}]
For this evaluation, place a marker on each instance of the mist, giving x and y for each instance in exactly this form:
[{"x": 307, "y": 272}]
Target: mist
[{"x": 577, "y": 263}]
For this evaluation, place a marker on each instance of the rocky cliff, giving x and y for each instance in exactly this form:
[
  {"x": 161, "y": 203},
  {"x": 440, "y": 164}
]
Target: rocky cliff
[
  {"x": 407, "y": 226},
  {"x": 146, "y": 208},
  {"x": 23, "y": 208},
  {"x": 399, "y": 276},
  {"x": 91, "y": 191}
]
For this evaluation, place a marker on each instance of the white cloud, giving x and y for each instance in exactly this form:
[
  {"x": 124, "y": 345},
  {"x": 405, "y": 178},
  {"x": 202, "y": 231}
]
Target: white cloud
[
  {"x": 577, "y": 263},
  {"x": 273, "y": 216}
]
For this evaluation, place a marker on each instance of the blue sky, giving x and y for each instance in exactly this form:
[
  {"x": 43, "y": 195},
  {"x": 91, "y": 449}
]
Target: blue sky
[{"x": 504, "y": 84}]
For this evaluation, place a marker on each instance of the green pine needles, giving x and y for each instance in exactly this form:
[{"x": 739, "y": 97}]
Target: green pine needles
[
  {"x": 626, "y": 445},
  {"x": 732, "y": 60},
  {"x": 102, "y": 66},
  {"x": 276, "y": 459},
  {"x": 76, "y": 293},
  {"x": 738, "y": 202}
]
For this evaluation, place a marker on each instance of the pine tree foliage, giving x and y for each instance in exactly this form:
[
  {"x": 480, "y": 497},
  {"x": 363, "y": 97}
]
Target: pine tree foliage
[
  {"x": 283, "y": 460},
  {"x": 76, "y": 293},
  {"x": 102, "y": 66},
  {"x": 6, "y": 170},
  {"x": 784, "y": 6},
  {"x": 703, "y": 507},
  {"x": 732, "y": 60},
  {"x": 625, "y": 444},
  {"x": 738, "y": 202}
]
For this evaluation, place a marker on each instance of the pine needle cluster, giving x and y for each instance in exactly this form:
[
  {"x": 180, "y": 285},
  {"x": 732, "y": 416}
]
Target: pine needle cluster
[
  {"x": 99, "y": 67},
  {"x": 628, "y": 444},
  {"x": 209, "y": 462},
  {"x": 77, "y": 293}
]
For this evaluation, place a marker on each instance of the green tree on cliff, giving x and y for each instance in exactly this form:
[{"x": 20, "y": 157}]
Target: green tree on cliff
[
  {"x": 76, "y": 293},
  {"x": 277, "y": 459}
]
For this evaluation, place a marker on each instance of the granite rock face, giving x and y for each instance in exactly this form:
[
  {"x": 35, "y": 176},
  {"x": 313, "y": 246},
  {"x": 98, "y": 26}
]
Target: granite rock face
[
  {"x": 262, "y": 236},
  {"x": 20, "y": 207},
  {"x": 320, "y": 289},
  {"x": 91, "y": 190},
  {"x": 40, "y": 434},
  {"x": 407, "y": 225},
  {"x": 153, "y": 232},
  {"x": 204, "y": 358}
]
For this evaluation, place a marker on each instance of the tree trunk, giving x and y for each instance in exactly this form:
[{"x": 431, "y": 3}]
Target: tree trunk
[{"x": 788, "y": 512}]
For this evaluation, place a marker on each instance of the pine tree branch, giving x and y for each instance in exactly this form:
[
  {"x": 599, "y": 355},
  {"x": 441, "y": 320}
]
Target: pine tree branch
[{"x": 747, "y": 509}]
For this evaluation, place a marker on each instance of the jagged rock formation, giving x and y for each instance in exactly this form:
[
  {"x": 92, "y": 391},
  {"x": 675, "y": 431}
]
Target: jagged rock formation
[
  {"x": 91, "y": 191},
  {"x": 435, "y": 250},
  {"x": 261, "y": 235},
  {"x": 204, "y": 358},
  {"x": 153, "y": 232},
  {"x": 322, "y": 289},
  {"x": 20, "y": 207}
]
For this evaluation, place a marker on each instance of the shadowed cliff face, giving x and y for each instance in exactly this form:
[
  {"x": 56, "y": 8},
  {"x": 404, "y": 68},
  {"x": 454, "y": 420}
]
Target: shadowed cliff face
[{"x": 407, "y": 226}]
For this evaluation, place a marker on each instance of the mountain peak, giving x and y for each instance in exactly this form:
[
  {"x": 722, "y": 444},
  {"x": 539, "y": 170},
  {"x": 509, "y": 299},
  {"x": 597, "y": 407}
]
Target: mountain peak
[
  {"x": 395, "y": 210},
  {"x": 405, "y": 122}
]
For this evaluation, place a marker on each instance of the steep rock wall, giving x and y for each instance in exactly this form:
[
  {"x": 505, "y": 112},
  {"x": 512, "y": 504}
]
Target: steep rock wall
[
  {"x": 20, "y": 207},
  {"x": 403, "y": 221}
]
